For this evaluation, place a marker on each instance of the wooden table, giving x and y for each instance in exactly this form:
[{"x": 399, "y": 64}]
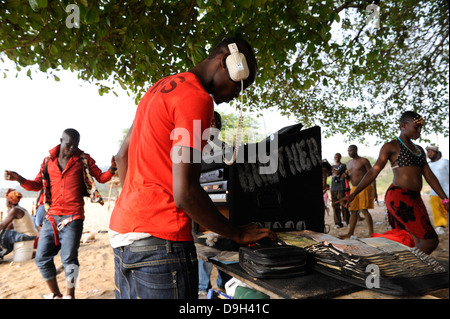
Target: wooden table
[{"x": 313, "y": 285}]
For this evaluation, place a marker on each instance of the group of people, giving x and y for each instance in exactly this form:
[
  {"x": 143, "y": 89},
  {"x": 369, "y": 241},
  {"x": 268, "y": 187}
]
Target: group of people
[
  {"x": 344, "y": 178},
  {"x": 150, "y": 229},
  {"x": 406, "y": 210},
  {"x": 150, "y": 226}
]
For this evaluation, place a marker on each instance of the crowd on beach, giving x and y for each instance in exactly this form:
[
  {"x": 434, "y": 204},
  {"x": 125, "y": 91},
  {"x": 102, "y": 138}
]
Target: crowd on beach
[{"x": 346, "y": 178}]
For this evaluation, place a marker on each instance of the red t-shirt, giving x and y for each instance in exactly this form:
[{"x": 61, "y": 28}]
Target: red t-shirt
[{"x": 146, "y": 203}]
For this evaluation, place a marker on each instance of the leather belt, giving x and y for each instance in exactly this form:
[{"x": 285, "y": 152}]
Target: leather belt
[
  {"x": 58, "y": 227},
  {"x": 155, "y": 241}
]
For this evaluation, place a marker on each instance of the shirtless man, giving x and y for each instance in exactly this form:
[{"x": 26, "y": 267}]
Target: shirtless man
[
  {"x": 357, "y": 167},
  {"x": 406, "y": 209}
]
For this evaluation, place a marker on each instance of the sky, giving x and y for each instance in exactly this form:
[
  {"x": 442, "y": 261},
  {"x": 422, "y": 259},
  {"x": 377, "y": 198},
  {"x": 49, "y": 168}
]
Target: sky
[{"x": 34, "y": 113}]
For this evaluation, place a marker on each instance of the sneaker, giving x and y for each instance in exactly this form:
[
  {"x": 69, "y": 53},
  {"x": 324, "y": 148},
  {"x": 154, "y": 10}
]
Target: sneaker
[
  {"x": 51, "y": 296},
  {"x": 337, "y": 226},
  {"x": 440, "y": 231},
  {"x": 202, "y": 292}
]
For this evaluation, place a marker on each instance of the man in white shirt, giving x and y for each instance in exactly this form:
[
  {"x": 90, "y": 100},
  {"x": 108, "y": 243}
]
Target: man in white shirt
[
  {"x": 22, "y": 223},
  {"x": 440, "y": 167}
]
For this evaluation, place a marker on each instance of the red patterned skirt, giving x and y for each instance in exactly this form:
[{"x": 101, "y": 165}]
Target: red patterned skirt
[{"x": 407, "y": 211}]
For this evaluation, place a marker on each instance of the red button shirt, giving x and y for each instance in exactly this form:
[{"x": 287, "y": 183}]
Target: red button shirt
[{"x": 66, "y": 187}]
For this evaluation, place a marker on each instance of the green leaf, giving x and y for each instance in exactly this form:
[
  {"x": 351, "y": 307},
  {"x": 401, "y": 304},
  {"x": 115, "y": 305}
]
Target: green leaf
[
  {"x": 148, "y": 3},
  {"x": 122, "y": 84},
  {"x": 42, "y": 3},
  {"x": 13, "y": 17},
  {"x": 336, "y": 17},
  {"x": 228, "y": 5},
  {"x": 246, "y": 3},
  {"x": 109, "y": 48},
  {"x": 54, "y": 50},
  {"x": 34, "y": 5},
  {"x": 318, "y": 65},
  {"x": 92, "y": 16},
  {"x": 307, "y": 84}
]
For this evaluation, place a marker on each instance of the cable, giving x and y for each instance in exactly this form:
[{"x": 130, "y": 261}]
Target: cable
[{"x": 238, "y": 132}]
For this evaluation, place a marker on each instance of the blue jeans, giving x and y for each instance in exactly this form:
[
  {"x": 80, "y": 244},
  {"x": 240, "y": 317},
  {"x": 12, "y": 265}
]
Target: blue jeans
[
  {"x": 154, "y": 268},
  {"x": 40, "y": 215},
  {"x": 204, "y": 270},
  {"x": 7, "y": 239},
  {"x": 69, "y": 241}
]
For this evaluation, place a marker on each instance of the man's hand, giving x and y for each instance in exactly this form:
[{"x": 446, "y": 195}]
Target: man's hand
[
  {"x": 113, "y": 168},
  {"x": 346, "y": 200},
  {"x": 113, "y": 162},
  {"x": 251, "y": 233},
  {"x": 13, "y": 176}
]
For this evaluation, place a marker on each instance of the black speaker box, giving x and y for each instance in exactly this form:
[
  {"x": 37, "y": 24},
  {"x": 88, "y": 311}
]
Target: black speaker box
[{"x": 287, "y": 196}]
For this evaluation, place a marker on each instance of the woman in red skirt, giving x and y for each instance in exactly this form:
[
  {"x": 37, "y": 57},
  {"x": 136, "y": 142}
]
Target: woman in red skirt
[{"x": 406, "y": 209}]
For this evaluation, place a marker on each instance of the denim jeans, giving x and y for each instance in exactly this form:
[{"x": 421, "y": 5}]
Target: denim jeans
[
  {"x": 7, "y": 239},
  {"x": 154, "y": 268},
  {"x": 40, "y": 215},
  {"x": 204, "y": 271},
  {"x": 69, "y": 241}
]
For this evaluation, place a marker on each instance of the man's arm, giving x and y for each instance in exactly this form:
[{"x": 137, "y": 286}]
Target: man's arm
[
  {"x": 341, "y": 170},
  {"x": 29, "y": 185},
  {"x": 12, "y": 214},
  {"x": 96, "y": 172},
  {"x": 337, "y": 172},
  {"x": 122, "y": 157},
  {"x": 190, "y": 197}
]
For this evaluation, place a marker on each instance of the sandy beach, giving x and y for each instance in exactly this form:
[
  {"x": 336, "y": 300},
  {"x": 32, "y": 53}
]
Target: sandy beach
[{"x": 96, "y": 274}]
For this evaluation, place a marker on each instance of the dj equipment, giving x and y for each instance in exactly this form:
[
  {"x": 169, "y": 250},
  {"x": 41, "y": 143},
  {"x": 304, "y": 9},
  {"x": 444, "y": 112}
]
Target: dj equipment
[{"x": 288, "y": 198}]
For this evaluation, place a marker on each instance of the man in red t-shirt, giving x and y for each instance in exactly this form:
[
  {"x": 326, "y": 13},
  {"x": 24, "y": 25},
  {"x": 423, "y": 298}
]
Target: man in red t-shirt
[
  {"x": 159, "y": 168},
  {"x": 61, "y": 176}
]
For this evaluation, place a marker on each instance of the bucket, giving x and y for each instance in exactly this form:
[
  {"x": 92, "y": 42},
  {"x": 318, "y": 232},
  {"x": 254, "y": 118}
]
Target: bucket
[
  {"x": 232, "y": 284},
  {"x": 23, "y": 250}
]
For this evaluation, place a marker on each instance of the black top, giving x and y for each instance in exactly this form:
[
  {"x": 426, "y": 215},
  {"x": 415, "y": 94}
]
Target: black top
[{"x": 407, "y": 157}]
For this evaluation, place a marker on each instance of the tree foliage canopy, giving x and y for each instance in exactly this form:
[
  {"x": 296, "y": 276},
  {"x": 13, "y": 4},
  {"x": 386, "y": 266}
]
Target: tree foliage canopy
[{"x": 323, "y": 61}]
